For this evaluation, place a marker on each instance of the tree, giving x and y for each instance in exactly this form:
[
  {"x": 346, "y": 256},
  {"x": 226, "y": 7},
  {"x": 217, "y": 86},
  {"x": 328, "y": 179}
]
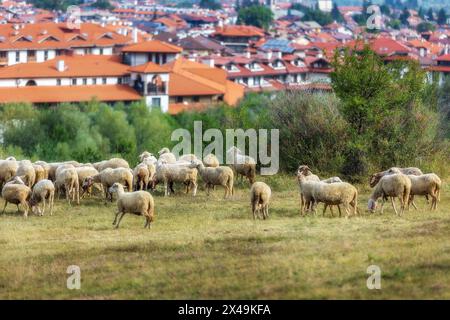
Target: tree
[
  {"x": 421, "y": 13},
  {"x": 430, "y": 15},
  {"x": 257, "y": 15},
  {"x": 336, "y": 14},
  {"x": 404, "y": 16},
  {"x": 103, "y": 5},
  {"x": 442, "y": 17},
  {"x": 210, "y": 4},
  {"x": 425, "y": 27}
]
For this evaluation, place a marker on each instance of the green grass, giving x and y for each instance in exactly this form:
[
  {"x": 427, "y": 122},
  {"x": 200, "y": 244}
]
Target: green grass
[{"x": 210, "y": 248}]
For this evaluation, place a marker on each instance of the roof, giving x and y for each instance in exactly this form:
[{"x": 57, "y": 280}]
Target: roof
[
  {"x": 239, "y": 31},
  {"x": 148, "y": 67},
  {"x": 57, "y": 94},
  {"x": 152, "y": 46},
  {"x": 445, "y": 57},
  {"x": 50, "y": 35},
  {"x": 278, "y": 45},
  {"x": 75, "y": 66}
]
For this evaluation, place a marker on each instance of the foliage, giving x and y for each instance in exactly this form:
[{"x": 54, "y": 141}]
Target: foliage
[
  {"x": 425, "y": 27},
  {"x": 210, "y": 4},
  {"x": 103, "y": 5},
  {"x": 314, "y": 14},
  {"x": 256, "y": 15},
  {"x": 442, "y": 17},
  {"x": 55, "y": 4}
]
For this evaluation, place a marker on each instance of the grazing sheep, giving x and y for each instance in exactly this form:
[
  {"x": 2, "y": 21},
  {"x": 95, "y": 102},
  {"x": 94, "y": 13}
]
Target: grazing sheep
[
  {"x": 374, "y": 178},
  {"x": 395, "y": 185},
  {"x": 16, "y": 194},
  {"x": 52, "y": 170},
  {"x": 8, "y": 169},
  {"x": 243, "y": 165},
  {"x": 83, "y": 172},
  {"x": 260, "y": 194},
  {"x": 67, "y": 178},
  {"x": 217, "y": 176},
  {"x": 210, "y": 160},
  {"x": 113, "y": 163},
  {"x": 44, "y": 166},
  {"x": 169, "y": 173},
  {"x": 26, "y": 171},
  {"x": 338, "y": 193},
  {"x": 137, "y": 202},
  {"x": 141, "y": 177},
  {"x": 424, "y": 185},
  {"x": 166, "y": 156},
  {"x": 42, "y": 191},
  {"x": 39, "y": 172},
  {"x": 306, "y": 184},
  {"x": 108, "y": 177}
]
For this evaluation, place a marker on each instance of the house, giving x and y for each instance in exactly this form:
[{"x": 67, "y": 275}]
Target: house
[
  {"x": 238, "y": 37},
  {"x": 441, "y": 71}
]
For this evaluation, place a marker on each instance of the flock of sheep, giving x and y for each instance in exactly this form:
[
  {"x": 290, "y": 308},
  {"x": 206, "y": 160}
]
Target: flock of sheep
[{"x": 34, "y": 185}]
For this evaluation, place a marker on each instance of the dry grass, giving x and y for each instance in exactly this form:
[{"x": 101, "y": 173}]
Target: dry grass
[{"x": 210, "y": 248}]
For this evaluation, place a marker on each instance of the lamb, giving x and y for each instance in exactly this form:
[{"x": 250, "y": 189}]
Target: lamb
[
  {"x": 424, "y": 185},
  {"x": 113, "y": 163},
  {"x": 39, "y": 172},
  {"x": 166, "y": 155},
  {"x": 137, "y": 202},
  {"x": 67, "y": 177},
  {"x": 306, "y": 184},
  {"x": 395, "y": 185},
  {"x": 141, "y": 177},
  {"x": 8, "y": 169},
  {"x": 217, "y": 176},
  {"x": 108, "y": 177},
  {"x": 243, "y": 165},
  {"x": 260, "y": 194},
  {"x": 26, "y": 170},
  {"x": 83, "y": 172},
  {"x": 210, "y": 160},
  {"x": 42, "y": 191},
  {"x": 16, "y": 194},
  {"x": 338, "y": 193},
  {"x": 374, "y": 178},
  {"x": 170, "y": 172}
]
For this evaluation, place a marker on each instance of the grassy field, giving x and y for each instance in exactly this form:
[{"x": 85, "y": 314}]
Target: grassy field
[{"x": 210, "y": 248}]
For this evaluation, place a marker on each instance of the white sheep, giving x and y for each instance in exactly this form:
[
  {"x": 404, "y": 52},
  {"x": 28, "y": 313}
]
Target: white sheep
[
  {"x": 108, "y": 177},
  {"x": 424, "y": 185},
  {"x": 16, "y": 194},
  {"x": 306, "y": 184},
  {"x": 26, "y": 170},
  {"x": 188, "y": 157},
  {"x": 216, "y": 176},
  {"x": 395, "y": 185},
  {"x": 43, "y": 190},
  {"x": 166, "y": 156},
  {"x": 83, "y": 172},
  {"x": 44, "y": 166},
  {"x": 39, "y": 173},
  {"x": 169, "y": 173},
  {"x": 67, "y": 178},
  {"x": 374, "y": 178},
  {"x": 338, "y": 193},
  {"x": 141, "y": 177},
  {"x": 112, "y": 163},
  {"x": 8, "y": 169},
  {"x": 137, "y": 202},
  {"x": 145, "y": 155},
  {"x": 260, "y": 194},
  {"x": 210, "y": 160},
  {"x": 242, "y": 164}
]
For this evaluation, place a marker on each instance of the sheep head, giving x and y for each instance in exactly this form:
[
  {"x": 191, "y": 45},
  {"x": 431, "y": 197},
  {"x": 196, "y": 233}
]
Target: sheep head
[
  {"x": 372, "y": 205},
  {"x": 87, "y": 183},
  {"x": 373, "y": 180},
  {"x": 304, "y": 169},
  {"x": 164, "y": 150},
  {"x": 115, "y": 188}
]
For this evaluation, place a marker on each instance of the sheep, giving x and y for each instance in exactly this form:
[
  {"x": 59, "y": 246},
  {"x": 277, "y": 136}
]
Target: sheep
[
  {"x": 166, "y": 155},
  {"x": 16, "y": 194},
  {"x": 39, "y": 172},
  {"x": 83, "y": 172},
  {"x": 15, "y": 180},
  {"x": 67, "y": 178},
  {"x": 108, "y": 177},
  {"x": 44, "y": 166},
  {"x": 338, "y": 193},
  {"x": 141, "y": 177},
  {"x": 42, "y": 191},
  {"x": 305, "y": 184},
  {"x": 52, "y": 170},
  {"x": 150, "y": 160},
  {"x": 306, "y": 171},
  {"x": 332, "y": 180},
  {"x": 187, "y": 157},
  {"x": 426, "y": 184},
  {"x": 260, "y": 194},
  {"x": 137, "y": 202},
  {"x": 210, "y": 160},
  {"x": 242, "y": 165},
  {"x": 8, "y": 169},
  {"x": 374, "y": 178},
  {"x": 170, "y": 172},
  {"x": 395, "y": 185},
  {"x": 217, "y": 176},
  {"x": 26, "y": 170},
  {"x": 113, "y": 163}
]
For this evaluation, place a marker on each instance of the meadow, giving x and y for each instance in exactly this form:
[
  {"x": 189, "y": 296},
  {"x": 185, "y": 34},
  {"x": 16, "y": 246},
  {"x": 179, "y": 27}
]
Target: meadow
[{"x": 210, "y": 248}]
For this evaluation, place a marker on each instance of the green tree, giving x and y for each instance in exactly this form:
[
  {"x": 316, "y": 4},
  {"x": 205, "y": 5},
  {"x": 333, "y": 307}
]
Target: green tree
[
  {"x": 425, "y": 27},
  {"x": 442, "y": 17},
  {"x": 256, "y": 15},
  {"x": 210, "y": 4},
  {"x": 404, "y": 16},
  {"x": 103, "y": 5},
  {"x": 336, "y": 14},
  {"x": 430, "y": 14}
]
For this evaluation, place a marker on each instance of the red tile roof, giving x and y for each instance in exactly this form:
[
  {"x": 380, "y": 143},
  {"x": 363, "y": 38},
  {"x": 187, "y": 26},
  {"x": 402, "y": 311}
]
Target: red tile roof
[
  {"x": 153, "y": 46},
  {"x": 148, "y": 67},
  {"x": 239, "y": 31}
]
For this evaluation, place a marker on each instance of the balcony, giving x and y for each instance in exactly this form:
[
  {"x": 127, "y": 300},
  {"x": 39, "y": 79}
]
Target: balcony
[{"x": 156, "y": 89}]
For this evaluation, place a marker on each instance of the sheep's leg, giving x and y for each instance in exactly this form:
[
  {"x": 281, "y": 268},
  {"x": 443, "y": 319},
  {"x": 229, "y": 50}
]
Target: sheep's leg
[
  {"x": 25, "y": 207},
  {"x": 325, "y": 209},
  {"x": 147, "y": 222},
  {"x": 43, "y": 206},
  {"x": 115, "y": 218},
  {"x": 52, "y": 199},
  {"x": 339, "y": 209},
  {"x": 194, "y": 192},
  {"x": 433, "y": 201},
  {"x": 120, "y": 219},
  {"x": 393, "y": 205},
  {"x": 4, "y": 207}
]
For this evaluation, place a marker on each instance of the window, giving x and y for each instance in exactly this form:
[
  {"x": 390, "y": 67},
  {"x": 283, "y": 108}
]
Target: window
[
  {"x": 84, "y": 81},
  {"x": 45, "y": 55},
  {"x": 101, "y": 51},
  {"x": 58, "y": 82},
  {"x": 31, "y": 55},
  {"x": 74, "y": 82},
  {"x": 119, "y": 80},
  {"x": 2, "y": 54},
  {"x": 156, "y": 102},
  {"x": 179, "y": 99},
  {"x": 196, "y": 98},
  {"x": 17, "y": 57},
  {"x": 104, "y": 81},
  {"x": 94, "y": 81},
  {"x": 257, "y": 81}
]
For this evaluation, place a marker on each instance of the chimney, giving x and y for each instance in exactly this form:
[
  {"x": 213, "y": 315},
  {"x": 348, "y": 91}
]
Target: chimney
[
  {"x": 135, "y": 35},
  {"x": 60, "y": 65}
]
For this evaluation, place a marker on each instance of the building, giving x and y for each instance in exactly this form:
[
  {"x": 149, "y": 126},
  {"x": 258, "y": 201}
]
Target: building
[
  {"x": 238, "y": 37},
  {"x": 325, "y": 5}
]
